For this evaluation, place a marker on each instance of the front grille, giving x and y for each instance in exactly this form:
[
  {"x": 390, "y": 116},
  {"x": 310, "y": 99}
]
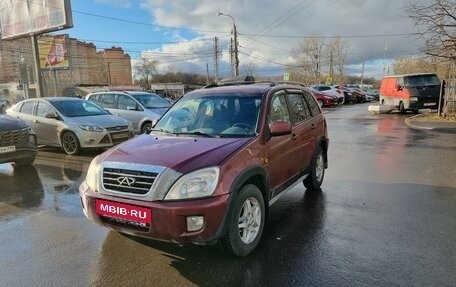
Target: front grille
[
  {"x": 128, "y": 181},
  {"x": 117, "y": 128},
  {"x": 13, "y": 137}
]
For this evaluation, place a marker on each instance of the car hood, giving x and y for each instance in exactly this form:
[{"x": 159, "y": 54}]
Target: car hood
[
  {"x": 9, "y": 123},
  {"x": 180, "y": 153},
  {"x": 105, "y": 121}
]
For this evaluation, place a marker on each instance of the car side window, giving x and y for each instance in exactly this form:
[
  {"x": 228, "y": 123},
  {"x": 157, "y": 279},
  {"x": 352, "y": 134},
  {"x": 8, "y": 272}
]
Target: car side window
[
  {"x": 299, "y": 111},
  {"x": 42, "y": 109},
  {"x": 279, "y": 110},
  {"x": 108, "y": 101},
  {"x": 125, "y": 101},
  {"x": 27, "y": 108},
  {"x": 312, "y": 102},
  {"x": 95, "y": 99}
]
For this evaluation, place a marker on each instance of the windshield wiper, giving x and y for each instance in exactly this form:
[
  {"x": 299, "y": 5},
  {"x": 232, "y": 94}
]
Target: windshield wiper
[{"x": 197, "y": 133}]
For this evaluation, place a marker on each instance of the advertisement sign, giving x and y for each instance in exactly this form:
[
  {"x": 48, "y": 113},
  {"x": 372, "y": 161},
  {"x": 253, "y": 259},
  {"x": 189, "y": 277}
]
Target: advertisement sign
[
  {"x": 21, "y": 18},
  {"x": 53, "y": 52}
]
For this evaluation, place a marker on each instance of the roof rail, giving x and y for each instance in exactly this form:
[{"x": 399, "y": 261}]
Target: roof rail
[
  {"x": 244, "y": 80},
  {"x": 275, "y": 83}
]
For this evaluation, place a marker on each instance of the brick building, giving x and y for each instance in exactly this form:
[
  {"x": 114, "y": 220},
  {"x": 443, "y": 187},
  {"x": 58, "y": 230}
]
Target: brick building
[{"x": 87, "y": 67}]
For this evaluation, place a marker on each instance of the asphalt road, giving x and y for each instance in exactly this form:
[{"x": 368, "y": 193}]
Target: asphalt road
[{"x": 385, "y": 217}]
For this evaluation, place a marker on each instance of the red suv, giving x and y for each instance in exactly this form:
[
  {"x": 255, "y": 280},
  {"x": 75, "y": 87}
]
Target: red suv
[{"x": 212, "y": 165}]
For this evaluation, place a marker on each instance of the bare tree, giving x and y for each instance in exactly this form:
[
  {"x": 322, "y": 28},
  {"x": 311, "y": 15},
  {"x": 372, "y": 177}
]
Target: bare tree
[
  {"x": 308, "y": 55},
  {"x": 437, "y": 25},
  {"x": 337, "y": 52},
  {"x": 146, "y": 68},
  {"x": 312, "y": 52}
]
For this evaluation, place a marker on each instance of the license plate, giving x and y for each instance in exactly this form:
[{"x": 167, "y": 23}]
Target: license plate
[
  {"x": 123, "y": 211},
  {"x": 5, "y": 149},
  {"x": 429, "y": 104},
  {"x": 119, "y": 136}
]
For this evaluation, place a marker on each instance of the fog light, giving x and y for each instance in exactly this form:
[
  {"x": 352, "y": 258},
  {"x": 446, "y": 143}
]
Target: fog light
[
  {"x": 32, "y": 139},
  {"x": 195, "y": 223},
  {"x": 89, "y": 141}
]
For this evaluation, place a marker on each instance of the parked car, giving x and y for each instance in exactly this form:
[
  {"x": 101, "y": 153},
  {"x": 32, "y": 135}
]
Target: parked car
[
  {"x": 330, "y": 90},
  {"x": 212, "y": 166},
  {"x": 349, "y": 97},
  {"x": 17, "y": 141},
  {"x": 325, "y": 100},
  {"x": 360, "y": 96},
  {"x": 140, "y": 108},
  {"x": 374, "y": 93},
  {"x": 72, "y": 123}
]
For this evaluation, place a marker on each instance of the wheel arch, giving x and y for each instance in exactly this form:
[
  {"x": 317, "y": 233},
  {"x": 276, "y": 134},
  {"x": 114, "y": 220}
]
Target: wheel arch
[{"x": 255, "y": 175}]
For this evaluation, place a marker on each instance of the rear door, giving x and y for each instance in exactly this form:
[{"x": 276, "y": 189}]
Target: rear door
[{"x": 304, "y": 127}]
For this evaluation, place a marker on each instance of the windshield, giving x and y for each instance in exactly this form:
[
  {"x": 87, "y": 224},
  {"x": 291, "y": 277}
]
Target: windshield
[
  {"x": 421, "y": 81},
  {"x": 78, "y": 108},
  {"x": 231, "y": 115},
  {"x": 151, "y": 101}
]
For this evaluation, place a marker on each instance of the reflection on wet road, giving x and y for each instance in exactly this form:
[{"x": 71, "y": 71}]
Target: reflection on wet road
[{"x": 385, "y": 217}]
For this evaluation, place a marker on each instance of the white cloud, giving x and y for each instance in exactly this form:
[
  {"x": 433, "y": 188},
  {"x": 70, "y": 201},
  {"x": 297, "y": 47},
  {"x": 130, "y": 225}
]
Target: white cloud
[{"x": 270, "y": 30}]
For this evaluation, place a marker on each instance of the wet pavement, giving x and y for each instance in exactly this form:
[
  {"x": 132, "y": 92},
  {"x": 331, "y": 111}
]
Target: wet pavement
[{"x": 385, "y": 217}]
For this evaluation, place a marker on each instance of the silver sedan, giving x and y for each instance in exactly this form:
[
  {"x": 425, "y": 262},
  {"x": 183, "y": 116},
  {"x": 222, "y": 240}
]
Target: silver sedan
[{"x": 72, "y": 123}]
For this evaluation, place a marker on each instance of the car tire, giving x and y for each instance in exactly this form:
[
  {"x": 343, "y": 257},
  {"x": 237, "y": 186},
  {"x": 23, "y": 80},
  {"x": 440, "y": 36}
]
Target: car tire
[
  {"x": 246, "y": 223},
  {"x": 70, "y": 143},
  {"x": 315, "y": 178},
  {"x": 401, "y": 108},
  {"x": 147, "y": 126},
  {"x": 25, "y": 161}
]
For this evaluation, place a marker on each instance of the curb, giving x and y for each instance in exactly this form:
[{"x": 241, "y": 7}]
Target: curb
[{"x": 408, "y": 123}]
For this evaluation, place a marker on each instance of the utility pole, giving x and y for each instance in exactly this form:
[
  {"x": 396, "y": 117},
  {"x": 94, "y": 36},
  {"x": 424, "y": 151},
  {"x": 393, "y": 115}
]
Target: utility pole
[
  {"x": 216, "y": 56},
  {"x": 362, "y": 75},
  {"x": 234, "y": 46}
]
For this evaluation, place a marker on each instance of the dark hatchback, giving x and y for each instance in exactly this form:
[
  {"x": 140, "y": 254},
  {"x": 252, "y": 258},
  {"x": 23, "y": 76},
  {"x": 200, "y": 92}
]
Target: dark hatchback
[{"x": 17, "y": 141}]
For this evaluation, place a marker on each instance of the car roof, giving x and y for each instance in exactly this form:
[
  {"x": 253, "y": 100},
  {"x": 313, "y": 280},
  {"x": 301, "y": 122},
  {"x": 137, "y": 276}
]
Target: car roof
[{"x": 55, "y": 99}]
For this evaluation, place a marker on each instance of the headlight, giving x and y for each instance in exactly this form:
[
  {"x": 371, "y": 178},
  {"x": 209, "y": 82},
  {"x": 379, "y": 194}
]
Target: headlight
[
  {"x": 414, "y": 99},
  {"x": 91, "y": 128},
  {"x": 93, "y": 175},
  {"x": 200, "y": 183}
]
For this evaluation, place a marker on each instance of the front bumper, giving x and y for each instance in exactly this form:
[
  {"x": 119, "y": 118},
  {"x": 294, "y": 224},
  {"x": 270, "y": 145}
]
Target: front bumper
[
  {"x": 22, "y": 152},
  {"x": 169, "y": 219}
]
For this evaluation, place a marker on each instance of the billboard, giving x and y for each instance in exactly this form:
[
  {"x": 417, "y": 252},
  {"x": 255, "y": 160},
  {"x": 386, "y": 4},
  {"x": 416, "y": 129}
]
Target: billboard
[
  {"x": 53, "y": 52},
  {"x": 19, "y": 18}
]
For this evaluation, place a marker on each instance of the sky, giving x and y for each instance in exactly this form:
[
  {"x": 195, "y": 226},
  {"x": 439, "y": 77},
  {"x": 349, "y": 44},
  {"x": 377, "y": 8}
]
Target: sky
[{"x": 179, "y": 34}]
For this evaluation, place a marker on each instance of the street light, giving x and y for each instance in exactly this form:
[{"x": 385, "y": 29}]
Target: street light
[{"x": 236, "y": 58}]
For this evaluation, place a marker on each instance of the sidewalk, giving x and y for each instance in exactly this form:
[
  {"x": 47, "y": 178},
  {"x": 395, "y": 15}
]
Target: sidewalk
[{"x": 423, "y": 122}]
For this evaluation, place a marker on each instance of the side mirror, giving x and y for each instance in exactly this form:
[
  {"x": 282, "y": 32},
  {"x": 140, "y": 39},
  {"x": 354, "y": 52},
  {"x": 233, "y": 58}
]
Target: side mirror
[
  {"x": 51, "y": 116},
  {"x": 280, "y": 128},
  {"x": 132, "y": 108},
  {"x": 399, "y": 87}
]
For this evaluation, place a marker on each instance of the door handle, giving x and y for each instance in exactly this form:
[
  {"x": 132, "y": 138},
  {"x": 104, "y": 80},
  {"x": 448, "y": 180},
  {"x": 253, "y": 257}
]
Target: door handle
[
  {"x": 294, "y": 137},
  {"x": 313, "y": 126}
]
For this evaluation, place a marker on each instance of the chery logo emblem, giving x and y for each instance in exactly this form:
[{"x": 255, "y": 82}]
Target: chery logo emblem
[{"x": 125, "y": 180}]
